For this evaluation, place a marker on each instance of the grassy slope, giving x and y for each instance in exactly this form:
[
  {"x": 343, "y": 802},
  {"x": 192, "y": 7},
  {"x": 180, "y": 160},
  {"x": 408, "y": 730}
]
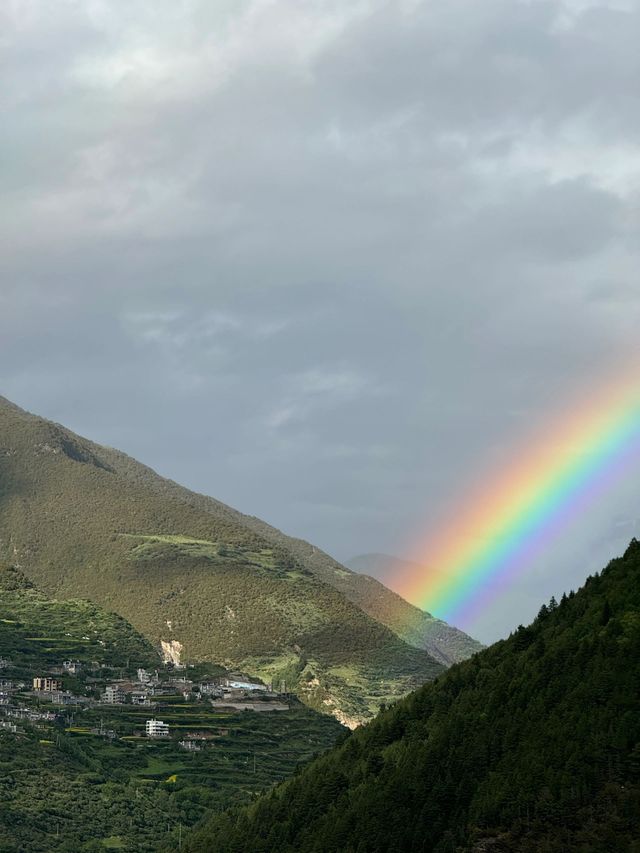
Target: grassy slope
[
  {"x": 533, "y": 745},
  {"x": 63, "y": 788},
  {"x": 85, "y": 521},
  {"x": 417, "y": 628},
  {"x": 39, "y": 632}
]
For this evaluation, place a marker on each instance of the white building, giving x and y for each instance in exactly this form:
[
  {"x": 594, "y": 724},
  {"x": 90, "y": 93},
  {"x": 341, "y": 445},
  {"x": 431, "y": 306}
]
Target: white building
[
  {"x": 210, "y": 688},
  {"x": 140, "y": 697},
  {"x": 243, "y": 685},
  {"x": 73, "y": 667},
  {"x": 113, "y": 695},
  {"x": 156, "y": 728}
]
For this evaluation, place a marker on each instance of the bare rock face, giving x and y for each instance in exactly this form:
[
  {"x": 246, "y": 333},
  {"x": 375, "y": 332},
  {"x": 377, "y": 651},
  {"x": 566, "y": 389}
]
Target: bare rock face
[{"x": 171, "y": 651}]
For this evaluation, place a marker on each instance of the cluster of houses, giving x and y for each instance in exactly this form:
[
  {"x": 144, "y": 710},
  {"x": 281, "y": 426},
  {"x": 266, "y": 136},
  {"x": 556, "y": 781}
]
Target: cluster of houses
[
  {"x": 149, "y": 687},
  {"x": 145, "y": 690},
  {"x": 11, "y": 710}
]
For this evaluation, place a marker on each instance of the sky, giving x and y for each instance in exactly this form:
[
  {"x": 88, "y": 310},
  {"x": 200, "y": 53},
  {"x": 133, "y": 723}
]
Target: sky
[{"x": 329, "y": 262}]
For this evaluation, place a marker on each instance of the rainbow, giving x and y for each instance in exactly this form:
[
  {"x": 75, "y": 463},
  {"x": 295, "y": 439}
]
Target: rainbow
[{"x": 511, "y": 517}]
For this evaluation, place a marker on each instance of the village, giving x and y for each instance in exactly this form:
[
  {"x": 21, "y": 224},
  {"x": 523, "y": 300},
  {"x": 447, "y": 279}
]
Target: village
[
  {"x": 146, "y": 737},
  {"x": 71, "y": 688}
]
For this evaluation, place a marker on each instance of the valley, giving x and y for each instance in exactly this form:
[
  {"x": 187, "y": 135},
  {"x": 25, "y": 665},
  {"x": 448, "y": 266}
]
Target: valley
[{"x": 83, "y": 764}]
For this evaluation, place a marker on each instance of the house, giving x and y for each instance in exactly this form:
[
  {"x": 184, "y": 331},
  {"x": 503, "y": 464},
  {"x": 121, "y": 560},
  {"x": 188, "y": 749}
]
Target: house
[
  {"x": 140, "y": 697},
  {"x": 233, "y": 684},
  {"x": 113, "y": 695},
  {"x": 60, "y": 697},
  {"x": 210, "y": 688},
  {"x": 47, "y": 684},
  {"x": 24, "y": 713},
  {"x": 191, "y": 745},
  {"x": 106, "y": 733},
  {"x": 156, "y": 728},
  {"x": 73, "y": 667}
]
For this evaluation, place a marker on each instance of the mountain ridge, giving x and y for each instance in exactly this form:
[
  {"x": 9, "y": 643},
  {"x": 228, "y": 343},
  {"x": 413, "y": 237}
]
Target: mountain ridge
[
  {"x": 417, "y": 627},
  {"x": 84, "y": 519}
]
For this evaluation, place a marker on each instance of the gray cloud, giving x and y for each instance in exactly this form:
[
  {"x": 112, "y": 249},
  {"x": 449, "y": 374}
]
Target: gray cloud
[{"x": 325, "y": 261}]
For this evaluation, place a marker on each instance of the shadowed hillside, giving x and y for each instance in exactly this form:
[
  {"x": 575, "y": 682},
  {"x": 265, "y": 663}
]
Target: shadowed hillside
[
  {"x": 186, "y": 571},
  {"x": 532, "y": 745}
]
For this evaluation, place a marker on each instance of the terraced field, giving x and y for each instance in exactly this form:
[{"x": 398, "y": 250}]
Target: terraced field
[{"x": 90, "y": 779}]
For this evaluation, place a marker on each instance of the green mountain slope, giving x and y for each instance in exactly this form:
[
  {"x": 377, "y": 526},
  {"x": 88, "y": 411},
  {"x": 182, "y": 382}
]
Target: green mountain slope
[
  {"x": 39, "y": 632},
  {"x": 532, "y": 745},
  {"x": 189, "y": 573},
  {"x": 416, "y": 627},
  {"x": 82, "y": 777},
  {"x": 419, "y": 629}
]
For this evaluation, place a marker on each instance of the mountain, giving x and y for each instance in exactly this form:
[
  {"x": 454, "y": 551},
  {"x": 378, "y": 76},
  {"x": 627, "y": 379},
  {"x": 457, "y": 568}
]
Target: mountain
[
  {"x": 380, "y": 566},
  {"x": 532, "y": 745},
  {"x": 191, "y": 574},
  {"x": 418, "y": 628},
  {"x": 78, "y": 775},
  {"x": 37, "y": 632}
]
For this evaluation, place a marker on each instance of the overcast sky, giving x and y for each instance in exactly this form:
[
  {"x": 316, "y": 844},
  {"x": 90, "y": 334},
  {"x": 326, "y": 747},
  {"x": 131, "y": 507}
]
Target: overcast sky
[{"x": 326, "y": 260}]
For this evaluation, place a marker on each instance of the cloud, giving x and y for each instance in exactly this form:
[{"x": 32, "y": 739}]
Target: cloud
[{"x": 309, "y": 257}]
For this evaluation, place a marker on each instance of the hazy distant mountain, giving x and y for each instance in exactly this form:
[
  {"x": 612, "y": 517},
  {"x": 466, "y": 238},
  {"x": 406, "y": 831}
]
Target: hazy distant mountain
[
  {"x": 532, "y": 745},
  {"x": 417, "y": 627},
  {"x": 193, "y": 574},
  {"x": 379, "y": 566}
]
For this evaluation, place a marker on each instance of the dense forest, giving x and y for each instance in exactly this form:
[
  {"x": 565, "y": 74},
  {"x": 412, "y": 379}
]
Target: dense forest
[{"x": 533, "y": 745}]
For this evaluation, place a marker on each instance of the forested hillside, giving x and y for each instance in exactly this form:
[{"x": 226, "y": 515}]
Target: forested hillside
[
  {"x": 86, "y": 521},
  {"x": 532, "y": 745},
  {"x": 77, "y": 772}
]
